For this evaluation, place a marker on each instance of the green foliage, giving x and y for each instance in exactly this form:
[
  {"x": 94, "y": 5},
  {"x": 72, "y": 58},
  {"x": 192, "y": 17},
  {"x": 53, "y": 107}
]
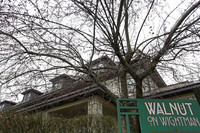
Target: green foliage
[{"x": 39, "y": 123}]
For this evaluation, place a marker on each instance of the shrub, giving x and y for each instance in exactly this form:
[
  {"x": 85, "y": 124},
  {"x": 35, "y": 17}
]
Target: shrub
[{"x": 11, "y": 122}]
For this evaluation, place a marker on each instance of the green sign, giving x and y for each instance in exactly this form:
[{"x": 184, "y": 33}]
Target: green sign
[{"x": 169, "y": 116}]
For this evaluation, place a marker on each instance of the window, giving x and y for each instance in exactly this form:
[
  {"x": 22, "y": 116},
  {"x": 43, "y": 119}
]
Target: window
[
  {"x": 57, "y": 85},
  {"x": 131, "y": 85},
  {"x": 2, "y": 106},
  {"x": 28, "y": 96},
  {"x": 100, "y": 65}
]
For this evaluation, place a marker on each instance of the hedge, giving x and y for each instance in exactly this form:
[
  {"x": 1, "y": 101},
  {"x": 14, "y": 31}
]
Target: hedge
[{"x": 11, "y": 122}]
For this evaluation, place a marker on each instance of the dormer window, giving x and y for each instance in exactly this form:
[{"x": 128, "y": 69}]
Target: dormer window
[
  {"x": 100, "y": 65},
  {"x": 6, "y": 105},
  {"x": 30, "y": 94},
  {"x": 58, "y": 85},
  {"x": 61, "y": 81},
  {"x": 27, "y": 97},
  {"x": 2, "y": 106}
]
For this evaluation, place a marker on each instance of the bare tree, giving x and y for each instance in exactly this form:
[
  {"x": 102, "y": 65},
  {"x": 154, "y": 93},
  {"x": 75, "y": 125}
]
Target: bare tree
[
  {"x": 36, "y": 34},
  {"x": 41, "y": 38}
]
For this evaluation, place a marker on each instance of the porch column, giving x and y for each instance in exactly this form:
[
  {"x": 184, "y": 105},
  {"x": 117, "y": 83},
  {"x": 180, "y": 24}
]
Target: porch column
[{"x": 95, "y": 106}]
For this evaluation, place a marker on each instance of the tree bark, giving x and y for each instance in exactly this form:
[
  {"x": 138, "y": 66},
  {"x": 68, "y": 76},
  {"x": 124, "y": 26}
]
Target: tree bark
[
  {"x": 139, "y": 94},
  {"x": 124, "y": 89}
]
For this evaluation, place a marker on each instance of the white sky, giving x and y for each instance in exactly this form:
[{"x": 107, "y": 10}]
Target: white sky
[{"x": 172, "y": 5}]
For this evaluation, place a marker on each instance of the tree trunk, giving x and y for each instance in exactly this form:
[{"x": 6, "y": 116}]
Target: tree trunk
[
  {"x": 124, "y": 89},
  {"x": 139, "y": 94}
]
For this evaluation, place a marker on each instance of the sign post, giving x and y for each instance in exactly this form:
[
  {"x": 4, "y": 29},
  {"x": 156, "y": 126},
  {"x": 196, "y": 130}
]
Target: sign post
[{"x": 126, "y": 114}]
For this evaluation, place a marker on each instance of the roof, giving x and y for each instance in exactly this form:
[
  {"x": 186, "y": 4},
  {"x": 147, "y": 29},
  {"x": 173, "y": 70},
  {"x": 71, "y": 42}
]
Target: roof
[
  {"x": 76, "y": 91},
  {"x": 7, "y": 102},
  {"x": 104, "y": 59},
  {"x": 68, "y": 97},
  {"x": 173, "y": 90},
  {"x": 63, "y": 76},
  {"x": 32, "y": 90}
]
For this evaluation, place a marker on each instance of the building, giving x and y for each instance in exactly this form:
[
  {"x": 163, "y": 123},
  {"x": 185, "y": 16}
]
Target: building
[{"x": 70, "y": 98}]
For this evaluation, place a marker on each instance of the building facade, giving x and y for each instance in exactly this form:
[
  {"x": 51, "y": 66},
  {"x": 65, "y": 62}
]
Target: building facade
[{"x": 71, "y": 98}]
